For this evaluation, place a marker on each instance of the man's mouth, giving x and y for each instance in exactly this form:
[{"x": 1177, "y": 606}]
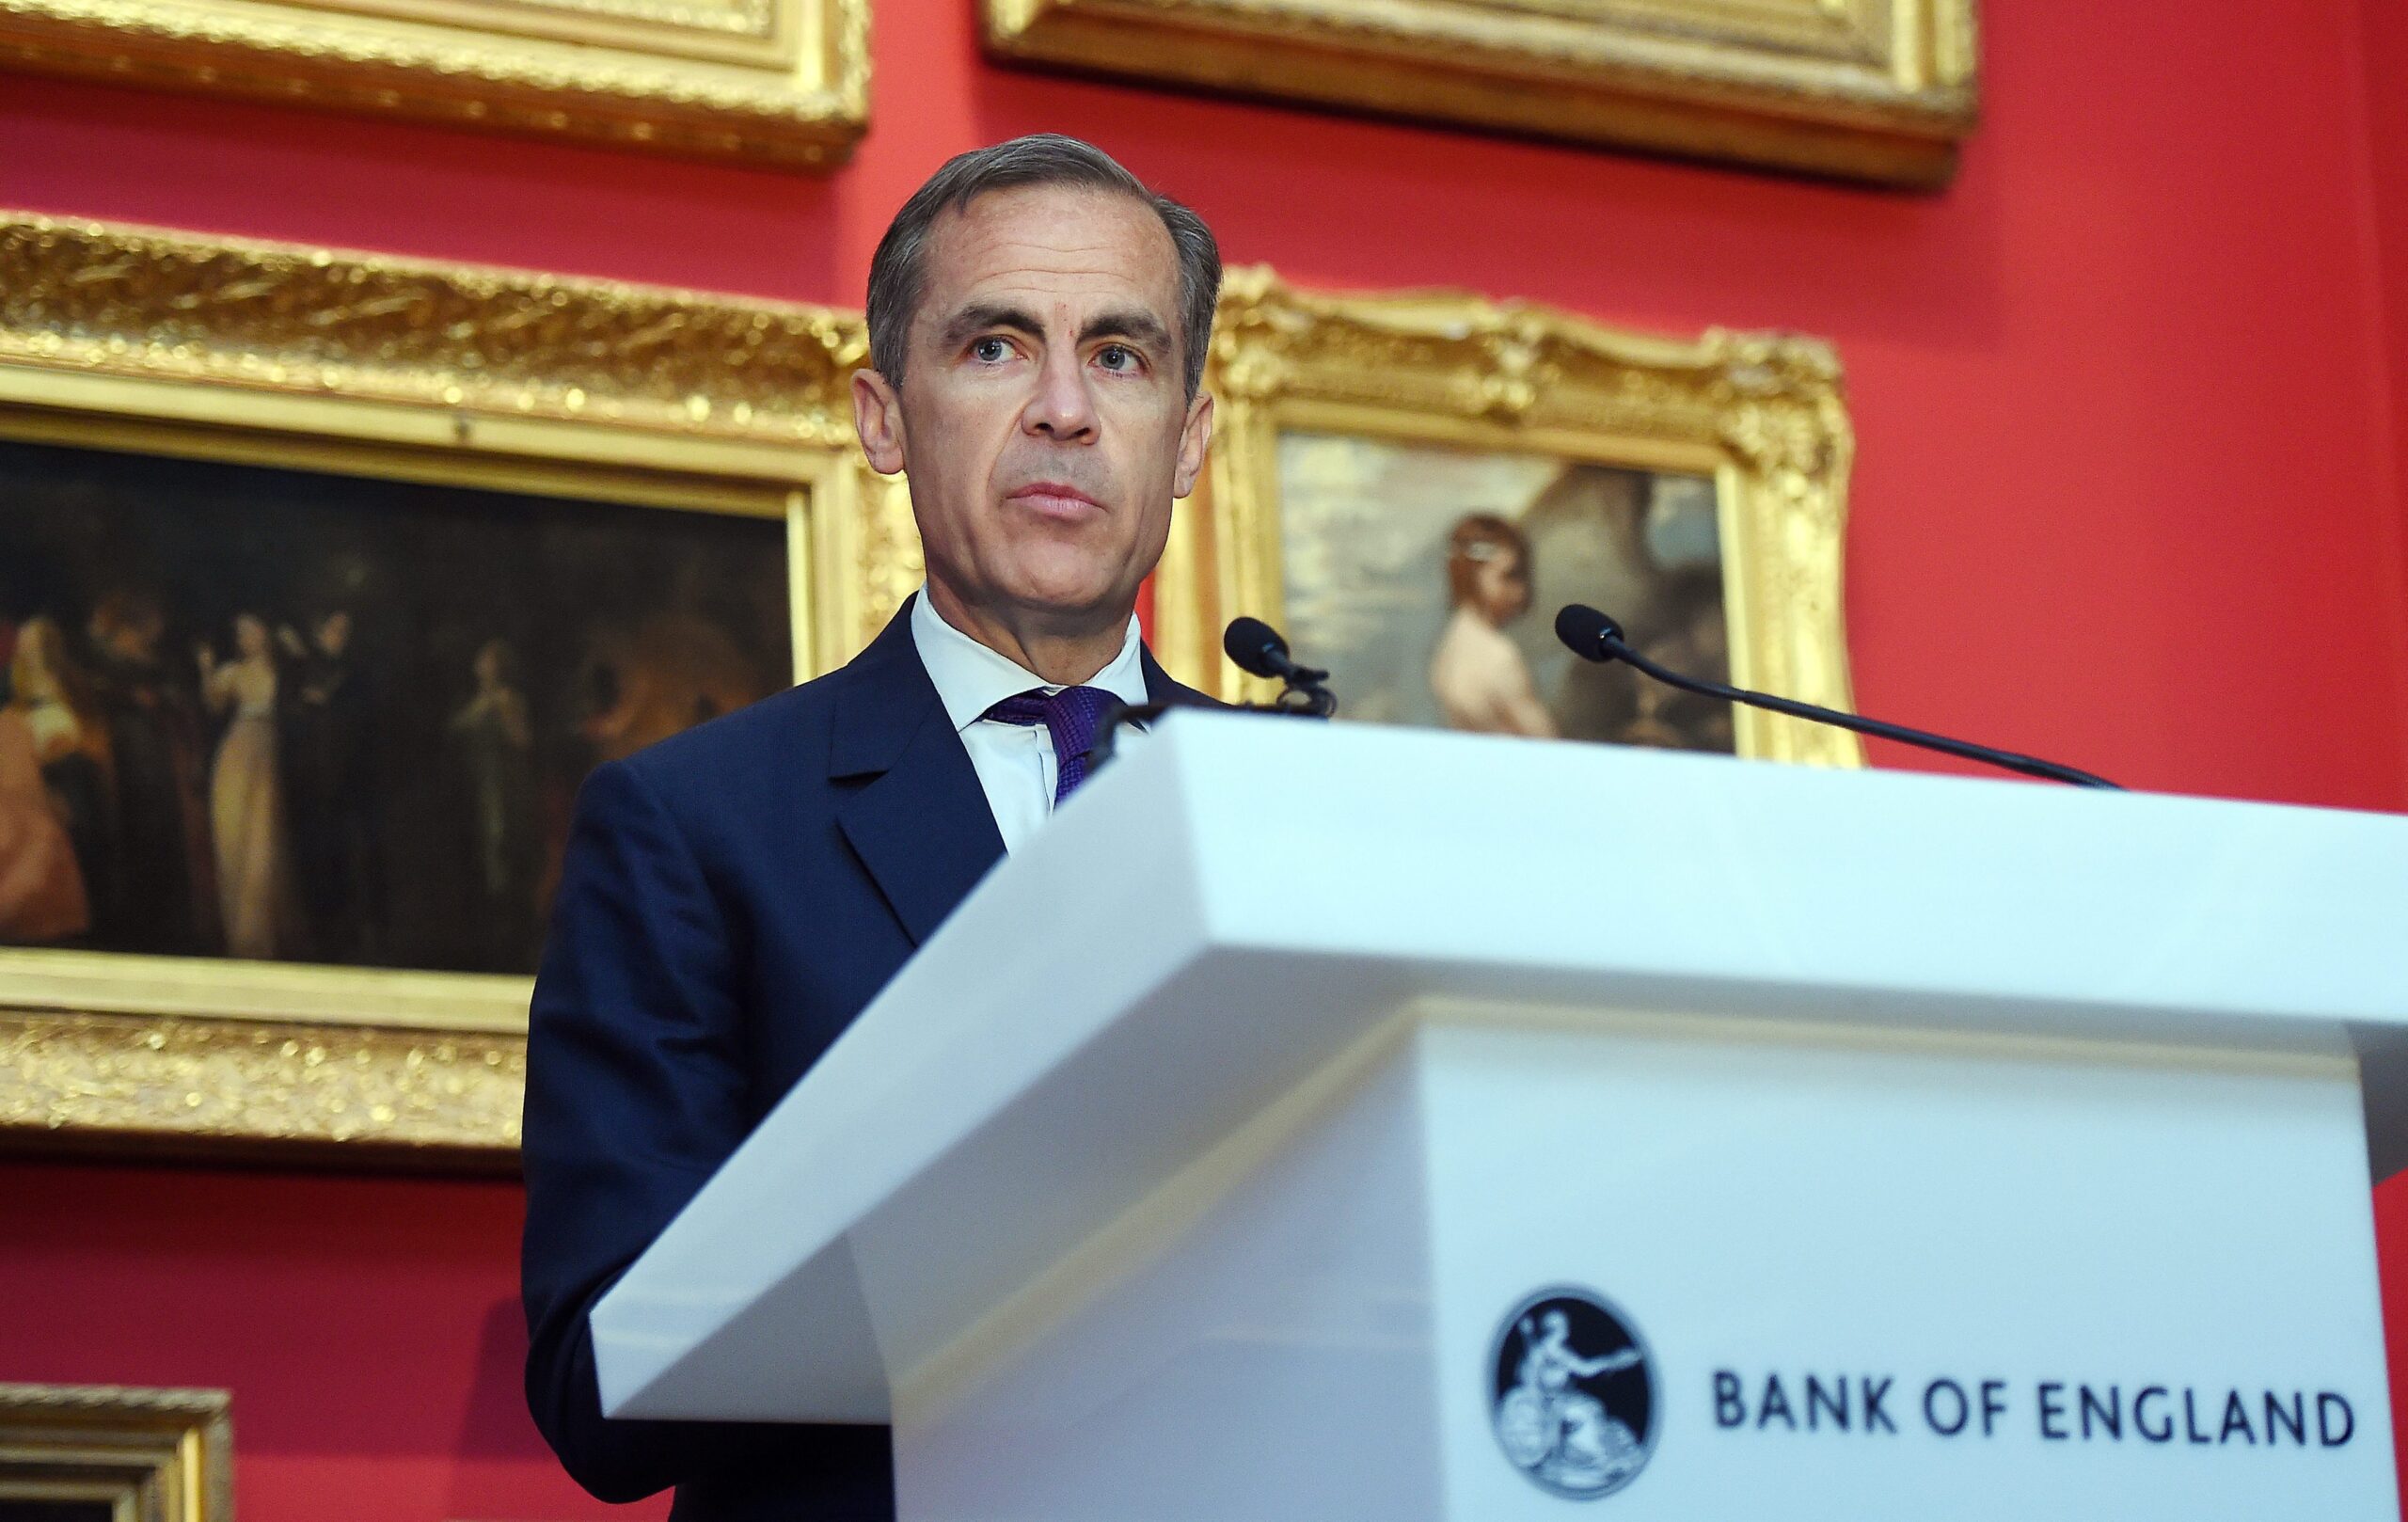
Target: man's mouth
[{"x": 1055, "y": 498}]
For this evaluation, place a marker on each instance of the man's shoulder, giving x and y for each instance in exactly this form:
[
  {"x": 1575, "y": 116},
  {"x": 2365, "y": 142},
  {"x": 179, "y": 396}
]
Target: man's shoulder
[
  {"x": 784, "y": 736},
  {"x": 783, "y": 747}
]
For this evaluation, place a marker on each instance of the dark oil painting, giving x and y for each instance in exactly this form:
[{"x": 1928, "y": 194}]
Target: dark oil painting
[{"x": 268, "y": 713}]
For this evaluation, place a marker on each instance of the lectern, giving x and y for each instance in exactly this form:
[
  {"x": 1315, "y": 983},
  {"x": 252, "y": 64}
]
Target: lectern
[{"x": 1323, "y": 1122}]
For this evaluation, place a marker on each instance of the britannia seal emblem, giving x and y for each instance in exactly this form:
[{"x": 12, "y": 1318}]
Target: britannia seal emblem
[{"x": 1573, "y": 1397}]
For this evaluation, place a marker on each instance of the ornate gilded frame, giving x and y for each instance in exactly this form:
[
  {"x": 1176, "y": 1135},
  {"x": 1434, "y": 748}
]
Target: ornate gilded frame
[
  {"x": 776, "y": 81},
  {"x": 115, "y": 336},
  {"x": 153, "y": 1455},
  {"x": 1762, "y": 414},
  {"x": 1873, "y": 90}
]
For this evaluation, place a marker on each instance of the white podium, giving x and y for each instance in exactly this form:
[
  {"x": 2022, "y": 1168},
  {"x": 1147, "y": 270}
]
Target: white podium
[{"x": 1322, "y": 1122}]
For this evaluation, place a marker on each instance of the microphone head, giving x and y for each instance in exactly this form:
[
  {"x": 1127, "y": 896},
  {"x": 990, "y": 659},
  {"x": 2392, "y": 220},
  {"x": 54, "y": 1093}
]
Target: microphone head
[
  {"x": 1255, "y": 647},
  {"x": 1584, "y": 631}
]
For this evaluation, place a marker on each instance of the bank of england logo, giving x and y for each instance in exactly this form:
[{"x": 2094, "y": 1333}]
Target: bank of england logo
[{"x": 1575, "y": 1401}]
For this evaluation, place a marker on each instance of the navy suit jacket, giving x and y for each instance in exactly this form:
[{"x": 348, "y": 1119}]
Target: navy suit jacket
[{"x": 731, "y": 898}]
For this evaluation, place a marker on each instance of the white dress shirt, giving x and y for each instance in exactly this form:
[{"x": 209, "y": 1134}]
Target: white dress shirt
[{"x": 1015, "y": 763}]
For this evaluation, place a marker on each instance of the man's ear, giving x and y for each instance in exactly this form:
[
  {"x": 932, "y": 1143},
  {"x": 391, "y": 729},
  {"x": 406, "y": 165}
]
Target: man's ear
[
  {"x": 877, "y": 417},
  {"x": 1194, "y": 443}
]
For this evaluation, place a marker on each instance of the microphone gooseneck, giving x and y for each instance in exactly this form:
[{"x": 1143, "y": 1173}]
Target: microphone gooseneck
[
  {"x": 1593, "y": 635},
  {"x": 1257, "y": 650}
]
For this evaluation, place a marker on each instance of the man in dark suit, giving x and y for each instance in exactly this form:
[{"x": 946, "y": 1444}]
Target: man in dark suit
[{"x": 733, "y": 897}]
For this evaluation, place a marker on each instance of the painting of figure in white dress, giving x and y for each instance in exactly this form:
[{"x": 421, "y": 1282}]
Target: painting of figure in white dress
[{"x": 1427, "y": 579}]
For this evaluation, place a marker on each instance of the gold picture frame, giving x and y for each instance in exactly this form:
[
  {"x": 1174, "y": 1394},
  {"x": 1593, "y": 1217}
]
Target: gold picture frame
[
  {"x": 165, "y": 343},
  {"x": 1763, "y": 415},
  {"x": 1882, "y": 90},
  {"x": 150, "y": 1455},
  {"x": 783, "y": 82}
]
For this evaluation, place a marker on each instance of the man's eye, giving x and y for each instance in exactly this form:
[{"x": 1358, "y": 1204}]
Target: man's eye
[
  {"x": 1117, "y": 357},
  {"x": 990, "y": 351}
]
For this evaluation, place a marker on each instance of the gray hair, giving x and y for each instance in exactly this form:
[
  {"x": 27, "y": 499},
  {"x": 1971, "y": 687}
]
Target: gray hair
[{"x": 897, "y": 272}]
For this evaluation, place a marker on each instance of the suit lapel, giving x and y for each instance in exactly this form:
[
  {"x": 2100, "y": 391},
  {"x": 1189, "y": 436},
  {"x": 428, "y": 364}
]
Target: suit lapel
[
  {"x": 1161, "y": 688},
  {"x": 911, "y": 805}
]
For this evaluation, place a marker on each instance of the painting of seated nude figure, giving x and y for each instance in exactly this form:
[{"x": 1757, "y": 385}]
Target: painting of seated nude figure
[
  {"x": 1427, "y": 580},
  {"x": 281, "y": 715}
]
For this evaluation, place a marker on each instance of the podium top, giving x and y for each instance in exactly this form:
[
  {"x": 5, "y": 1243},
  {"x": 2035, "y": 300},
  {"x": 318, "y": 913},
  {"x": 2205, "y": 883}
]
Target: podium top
[{"x": 1240, "y": 898}]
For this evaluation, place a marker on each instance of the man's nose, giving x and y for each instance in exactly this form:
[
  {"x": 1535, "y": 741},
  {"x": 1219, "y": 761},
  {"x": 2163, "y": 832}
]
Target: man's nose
[{"x": 1063, "y": 407}]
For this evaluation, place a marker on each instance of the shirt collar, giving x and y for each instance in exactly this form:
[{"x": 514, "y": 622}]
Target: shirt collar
[{"x": 969, "y": 678}]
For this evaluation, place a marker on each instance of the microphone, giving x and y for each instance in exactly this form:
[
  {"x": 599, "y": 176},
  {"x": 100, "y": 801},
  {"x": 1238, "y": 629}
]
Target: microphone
[
  {"x": 1259, "y": 651},
  {"x": 1593, "y": 636}
]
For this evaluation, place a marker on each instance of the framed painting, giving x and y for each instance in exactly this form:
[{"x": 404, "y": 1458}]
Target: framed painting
[
  {"x": 1879, "y": 90},
  {"x": 1410, "y": 484},
  {"x": 112, "y": 1453},
  {"x": 324, "y": 580},
  {"x": 783, "y": 83}
]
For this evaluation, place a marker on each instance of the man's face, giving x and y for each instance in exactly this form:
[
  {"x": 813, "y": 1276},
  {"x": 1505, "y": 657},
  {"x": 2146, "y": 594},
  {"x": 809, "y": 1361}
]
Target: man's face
[{"x": 1044, "y": 414}]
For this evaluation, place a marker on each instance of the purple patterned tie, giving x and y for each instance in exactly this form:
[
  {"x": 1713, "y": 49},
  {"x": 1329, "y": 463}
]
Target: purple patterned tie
[{"x": 1072, "y": 716}]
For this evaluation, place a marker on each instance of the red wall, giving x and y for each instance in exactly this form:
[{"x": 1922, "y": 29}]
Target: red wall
[
  {"x": 2386, "y": 41},
  {"x": 370, "y": 1330},
  {"x": 2124, "y": 399}
]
